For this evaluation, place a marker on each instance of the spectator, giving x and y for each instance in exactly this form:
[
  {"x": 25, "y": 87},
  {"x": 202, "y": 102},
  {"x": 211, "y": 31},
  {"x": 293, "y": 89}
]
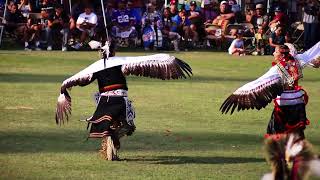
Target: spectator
[
  {"x": 170, "y": 36},
  {"x": 123, "y": 21},
  {"x": 237, "y": 45},
  {"x": 260, "y": 41},
  {"x": 173, "y": 8},
  {"x": 181, "y": 25},
  {"x": 210, "y": 12},
  {"x": 235, "y": 8},
  {"x": 259, "y": 18},
  {"x": 277, "y": 38},
  {"x": 86, "y": 24},
  {"x": 58, "y": 24},
  {"x": 196, "y": 21},
  {"x": 152, "y": 25},
  {"x": 311, "y": 23},
  {"x": 15, "y": 21},
  {"x": 48, "y": 6},
  {"x": 250, "y": 12},
  {"x": 226, "y": 16},
  {"x": 31, "y": 32},
  {"x": 25, "y": 8},
  {"x": 279, "y": 19},
  {"x": 136, "y": 12}
]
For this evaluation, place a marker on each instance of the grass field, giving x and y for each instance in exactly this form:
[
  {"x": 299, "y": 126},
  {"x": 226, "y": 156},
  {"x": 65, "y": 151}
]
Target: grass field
[{"x": 180, "y": 132}]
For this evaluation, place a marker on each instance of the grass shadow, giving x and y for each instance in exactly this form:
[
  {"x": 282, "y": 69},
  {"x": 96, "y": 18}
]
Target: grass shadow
[
  {"x": 75, "y": 141},
  {"x": 174, "y": 160}
]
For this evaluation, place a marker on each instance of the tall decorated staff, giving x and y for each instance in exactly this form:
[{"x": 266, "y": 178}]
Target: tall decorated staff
[
  {"x": 280, "y": 85},
  {"x": 114, "y": 115},
  {"x": 291, "y": 158}
]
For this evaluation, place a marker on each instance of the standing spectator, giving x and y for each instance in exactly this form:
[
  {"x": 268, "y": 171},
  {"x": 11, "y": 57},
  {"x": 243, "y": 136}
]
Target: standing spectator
[
  {"x": 25, "y": 8},
  {"x": 152, "y": 25},
  {"x": 86, "y": 23},
  {"x": 58, "y": 24},
  {"x": 311, "y": 23},
  {"x": 277, "y": 38},
  {"x": 237, "y": 45}
]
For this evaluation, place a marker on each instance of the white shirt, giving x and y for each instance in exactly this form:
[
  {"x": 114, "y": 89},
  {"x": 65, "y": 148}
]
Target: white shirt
[{"x": 90, "y": 18}]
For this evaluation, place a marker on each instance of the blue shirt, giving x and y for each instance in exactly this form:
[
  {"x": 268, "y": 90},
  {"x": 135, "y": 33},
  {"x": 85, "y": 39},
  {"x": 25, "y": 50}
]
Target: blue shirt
[
  {"x": 177, "y": 21},
  {"x": 122, "y": 17}
]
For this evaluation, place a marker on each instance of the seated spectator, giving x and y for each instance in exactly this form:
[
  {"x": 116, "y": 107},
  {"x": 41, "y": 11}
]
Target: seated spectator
[
  {"x": 196, "y": 21},
  {"x": 58, "y": 24},
  {"x": 277, "y": 38},
  {"x": 123, "y": 29},
  {"x": 15, "y": 21},
  {"x": 259, "y": 18},
  {"x": 169, "y": 36},
  {"x": 136, "y": 12},
  {"x": 173, "y": 8},
  {"x": 260, "y": 41},
  {"x": 86, "y": 23},
  {"x": 31, "y": 32},
  {"x": 226, "y": 16},
  {"x": 181, "y": 25},
  {"x": 25, "y": 8},
  {"x": 151, "y": 25},
  {"x": 76, "y": 10},
  {"x": 48, "y": 6},
  {"x": 237, "y": 45},
  {"x": 279, "y": 19}
]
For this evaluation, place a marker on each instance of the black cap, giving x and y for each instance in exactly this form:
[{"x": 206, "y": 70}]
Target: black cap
[
  {"x": 277, "y": 9},
  {"x": 193, "y": 3}
]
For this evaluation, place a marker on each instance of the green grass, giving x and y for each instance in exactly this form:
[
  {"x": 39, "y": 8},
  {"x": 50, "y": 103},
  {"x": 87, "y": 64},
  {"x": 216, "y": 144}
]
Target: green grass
[{"x": 180, "y": 132}]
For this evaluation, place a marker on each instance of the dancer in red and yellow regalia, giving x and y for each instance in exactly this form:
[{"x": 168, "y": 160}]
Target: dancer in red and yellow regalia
[{"x": 279, "y": 84}]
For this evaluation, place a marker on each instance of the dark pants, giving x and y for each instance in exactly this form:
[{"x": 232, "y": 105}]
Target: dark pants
[{"x": 310, "y": 34}]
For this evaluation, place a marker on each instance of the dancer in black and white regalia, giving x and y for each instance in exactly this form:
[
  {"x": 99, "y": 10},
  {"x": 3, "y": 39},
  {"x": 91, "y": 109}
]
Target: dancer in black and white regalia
[
  {"x": 114, "y": 115},
  {"x": 280, "y": 84}
]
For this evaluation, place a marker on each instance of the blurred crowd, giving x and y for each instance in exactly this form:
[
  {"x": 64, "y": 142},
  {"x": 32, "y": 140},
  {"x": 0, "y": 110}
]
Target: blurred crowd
[{"x": 239, "y": 27}]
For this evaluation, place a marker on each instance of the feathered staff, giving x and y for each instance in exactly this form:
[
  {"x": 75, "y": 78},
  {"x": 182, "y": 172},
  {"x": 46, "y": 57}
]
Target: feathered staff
[{"x": 160, "y": 66}]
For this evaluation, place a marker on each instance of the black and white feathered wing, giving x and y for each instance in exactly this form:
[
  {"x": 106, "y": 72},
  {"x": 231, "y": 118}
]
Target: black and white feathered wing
[
  {"x": 161, "y": 66},
  {"x": 256, "y": 94}
]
